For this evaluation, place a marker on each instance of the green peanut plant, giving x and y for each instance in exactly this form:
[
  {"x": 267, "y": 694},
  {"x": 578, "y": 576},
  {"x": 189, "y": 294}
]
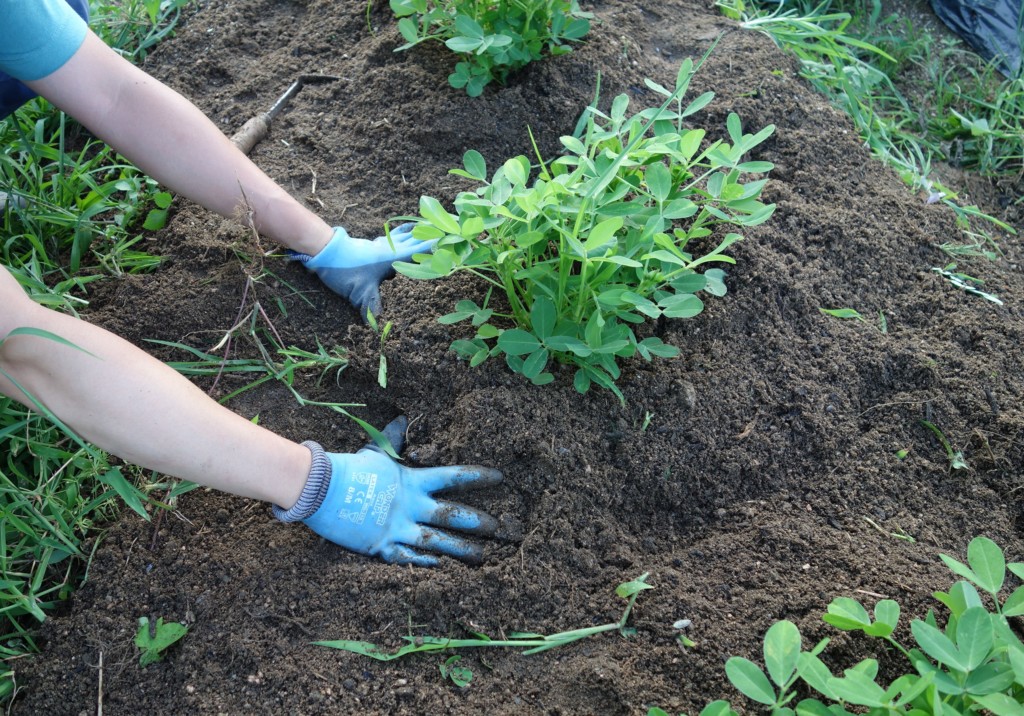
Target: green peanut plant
[
  {"x": 599, "y": 240},
  {"x": 974, "y": 664},
  {"x": 494, "y": 38}
]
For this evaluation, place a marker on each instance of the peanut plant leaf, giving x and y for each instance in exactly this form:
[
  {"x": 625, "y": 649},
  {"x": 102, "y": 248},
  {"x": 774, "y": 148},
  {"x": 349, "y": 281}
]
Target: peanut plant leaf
[
  {"x": 602, "y": 235},
  {"x": 535, "y": 363},
  {"x": 988, "y": 563},
  {"x": 516, "y": 342},
  {"x": 847, "y": 614},
  {"x": 781, "y": 651},
  {"x": 715, "y": 708},
  {"x": 1014, "y": 604},
  {"x": 937, "y": 645},
  {"x": 659, "y": 181},
  {"x": 542, "y": 317},
  {"x": 974, "y": 637},
  {"x": 858, "y": 688},
  {"x": 1000, "y": 704},
  {"x": 815, "y": 673},
  {"x": 432, "y": 210},
  {"x": 747, "y": 676},
  {"x": 989, "y": 679}
]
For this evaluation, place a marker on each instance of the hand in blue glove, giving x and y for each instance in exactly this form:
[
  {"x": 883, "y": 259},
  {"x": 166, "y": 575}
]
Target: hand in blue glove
[
  {"x": 354, "y": 268},
  {"x": 368, "y": 503}
]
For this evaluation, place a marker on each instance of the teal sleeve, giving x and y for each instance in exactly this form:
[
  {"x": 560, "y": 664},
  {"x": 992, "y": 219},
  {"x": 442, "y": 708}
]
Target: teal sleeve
[{"x": 37, "y": 37}]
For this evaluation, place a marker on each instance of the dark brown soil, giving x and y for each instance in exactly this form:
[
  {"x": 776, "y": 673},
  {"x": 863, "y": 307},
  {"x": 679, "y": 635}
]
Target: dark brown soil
[{"x": 772, "y": 440}]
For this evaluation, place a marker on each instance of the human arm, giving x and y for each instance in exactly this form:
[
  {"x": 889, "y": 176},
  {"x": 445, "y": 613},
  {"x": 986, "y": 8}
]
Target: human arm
[
  {"x": 130, "y": 404},
  {"x": 170, "y": 139}
]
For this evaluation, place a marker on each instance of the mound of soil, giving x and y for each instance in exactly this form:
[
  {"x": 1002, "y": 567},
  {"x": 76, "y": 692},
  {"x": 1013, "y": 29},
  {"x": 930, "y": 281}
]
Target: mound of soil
[{"x": 755, "y": 477}]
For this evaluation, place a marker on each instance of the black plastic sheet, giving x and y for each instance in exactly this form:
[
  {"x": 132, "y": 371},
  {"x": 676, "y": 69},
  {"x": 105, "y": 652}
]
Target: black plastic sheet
[{"x": 992, "y": 27}]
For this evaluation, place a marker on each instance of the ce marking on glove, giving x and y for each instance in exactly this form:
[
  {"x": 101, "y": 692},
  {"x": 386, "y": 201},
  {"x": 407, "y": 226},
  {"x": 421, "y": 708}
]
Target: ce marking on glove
[{"x": 359, "y": 500}]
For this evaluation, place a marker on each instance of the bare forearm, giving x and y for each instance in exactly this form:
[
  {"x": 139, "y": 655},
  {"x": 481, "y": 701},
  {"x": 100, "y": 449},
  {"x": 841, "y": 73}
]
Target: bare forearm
[
  {"x": 170, "y": 139},
  {"x": 130, "y": 404}
]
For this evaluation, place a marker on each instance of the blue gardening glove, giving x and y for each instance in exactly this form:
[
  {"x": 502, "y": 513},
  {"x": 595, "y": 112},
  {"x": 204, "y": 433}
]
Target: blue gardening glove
[
  {"x": 368, "y": 503},
  {"x": 354, "y": 268}
]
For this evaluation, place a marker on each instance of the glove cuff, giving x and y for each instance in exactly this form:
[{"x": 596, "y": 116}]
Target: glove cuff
[{"x": 313, "y": 492}]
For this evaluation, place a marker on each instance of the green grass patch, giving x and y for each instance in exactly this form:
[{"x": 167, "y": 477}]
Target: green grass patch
[
  {"x": 917, "y": 99},
  {"x": 74, "y": 213}
]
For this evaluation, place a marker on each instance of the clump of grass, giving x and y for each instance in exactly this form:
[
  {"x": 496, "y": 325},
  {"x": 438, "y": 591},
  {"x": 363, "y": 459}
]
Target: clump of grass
[
  {"x": 916, "y": 100},
  {"x": 74, "y": 208},
  {"x": 73, "y": 216}
]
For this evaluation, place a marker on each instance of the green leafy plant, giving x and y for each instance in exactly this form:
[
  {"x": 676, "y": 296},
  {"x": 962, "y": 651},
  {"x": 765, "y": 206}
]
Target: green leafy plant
[
  {"x": 843, "y": 313},
  {"x": 530, "y": 642},
  {"x": 154, "y": 638},
  {"x": 494, "y": 38},
  {"x": 458, "y": 674},
  {"x": 135, "y": 27},
  {"x": 602, "y": 238},
  {"x": 883, "y": 324},
  {"x": 974, "y": 663}
]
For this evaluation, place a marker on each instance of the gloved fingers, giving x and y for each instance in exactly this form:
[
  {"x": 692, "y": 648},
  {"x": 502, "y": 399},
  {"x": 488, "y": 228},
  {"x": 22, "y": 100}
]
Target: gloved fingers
[
  {"x": 364, "y": 296},
  {"x": 403, "y": 554},
  {"x": 433, "y": 479},
  {"x": 452, "y": 515},
  {"x": 438, "y": 541},
  {"x": 402, "y": 231},
  {"x": 394, "y": 432},
  {"x": 405, "y": 246}
]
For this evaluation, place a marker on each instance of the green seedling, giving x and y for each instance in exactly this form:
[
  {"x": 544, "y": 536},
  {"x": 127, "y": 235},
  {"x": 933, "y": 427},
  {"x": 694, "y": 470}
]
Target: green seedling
[
  {"x": 459, "y": 675},
  {"x": 843, "y": 313},
  {"x": 898, "y": 535},
  {"x": 883, "y": 324},
  {"x": 684, "y": 641},
  {"x": 153, "y": 638},
  {"x": 967, "y": 283},
  {"x": 648, "y": 416},
  {"x": 383, "y": 333},
  {"x": 956, "y": 457},
  {"x": 974, "y": 664},
  {"x": 493, "y": 39},
  {"x": 605, "y": 237},
  {"x": 529, "y": 642}
]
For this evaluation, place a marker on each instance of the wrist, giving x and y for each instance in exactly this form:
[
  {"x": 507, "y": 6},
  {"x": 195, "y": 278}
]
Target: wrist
[
  {"x": 337, "y": 253},
  {"x": 314, "y": 490},
  {"x": 315, "y": 240}
]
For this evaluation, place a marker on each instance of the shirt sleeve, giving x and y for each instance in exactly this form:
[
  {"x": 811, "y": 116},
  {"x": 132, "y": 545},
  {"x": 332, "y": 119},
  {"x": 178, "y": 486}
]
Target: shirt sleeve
[{"x": 37, "y": 37}]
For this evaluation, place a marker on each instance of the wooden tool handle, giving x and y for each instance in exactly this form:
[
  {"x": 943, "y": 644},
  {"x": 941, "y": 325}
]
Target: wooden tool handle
[{"x": 251, "y": 133}]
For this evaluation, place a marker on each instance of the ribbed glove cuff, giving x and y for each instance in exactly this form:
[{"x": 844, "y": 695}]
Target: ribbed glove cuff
[{"x": 314, "y": 491}]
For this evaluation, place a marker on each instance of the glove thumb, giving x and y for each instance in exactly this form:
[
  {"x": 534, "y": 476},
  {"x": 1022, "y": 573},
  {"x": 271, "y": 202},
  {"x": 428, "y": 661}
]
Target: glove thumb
[{"x": 394, "y": 433}]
